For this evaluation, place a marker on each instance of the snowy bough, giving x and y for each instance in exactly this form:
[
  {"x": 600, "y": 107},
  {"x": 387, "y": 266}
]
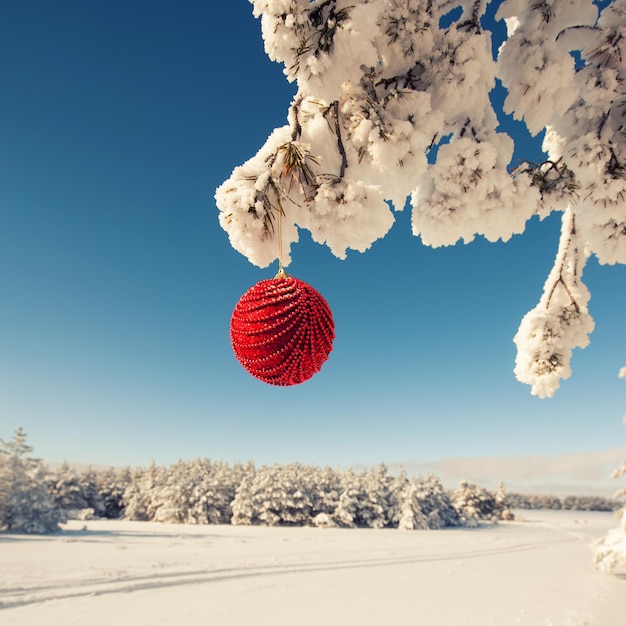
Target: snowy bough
[{"x": 393, "y": 103}]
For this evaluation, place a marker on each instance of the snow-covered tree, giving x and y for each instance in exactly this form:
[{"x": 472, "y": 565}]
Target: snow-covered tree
[
  {"x": 275, "y": 496},
  {"x": 475, "y": 504},
  {"x": 325, "y": 492},
  {"x": 610, "y": 550},
  {"x": 364, "y": 499},
  {"x": 171, "y": 497},
  {"x": 589, "y": 503},
  {"x": 141, "y": 492},
  {"x": 194, "y": 492},
  {"x": 69, "y": 492},
  {"x": 501, "y": 507},
  {"x": 379, "y": 484},
  {"x": 76, "y": 493},
  {"x": 397, "y": 491},
  {"x": 112, "y": 484},
  {"x": 26, "y": 505},
  {"x": 186, "y": 492},
  {"x": 393, "y": 102},
  {"x": 213, "y": 494},
  {"x": 533, "y": 501},
  {"x": 91, "y": 492},
  {"x": 242, "y": 506},
  {"x": 352, "y": 502},
  {"x": 427, "y": 506},
  {"x": 411, "y": 515}
]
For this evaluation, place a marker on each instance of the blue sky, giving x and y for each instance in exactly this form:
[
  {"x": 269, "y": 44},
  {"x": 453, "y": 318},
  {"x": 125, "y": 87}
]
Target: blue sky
[{"x": 117, "y": 122}]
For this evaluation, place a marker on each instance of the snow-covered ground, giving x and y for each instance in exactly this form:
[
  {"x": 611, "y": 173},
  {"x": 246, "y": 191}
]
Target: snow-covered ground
[{"x": 535, "y": 572}]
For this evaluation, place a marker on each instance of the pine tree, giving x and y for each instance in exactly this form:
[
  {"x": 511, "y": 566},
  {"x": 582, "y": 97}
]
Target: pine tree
[
  {"x": 348, "y": 510},
  {"x": 364, "y": 500},
  {"x": 275, "y": 495},
  {"x": 242, "y": 506},
  {"x": 65, "y": 485},
  {"x": 325, "y": 490},
  {"x": 111, "y": 485},
  {"x": 91, "y": 493},
  {"x": 213, "y": 493},
  {"x": 437, "y": 504},
  {"x": 397, "y": 492},
  {"x": 427, "y": 506},
  {"x": 170, "y": 497},
  {"x": 411, "y": 515},
  {"x": 26, "y": 505},
  {"x": 474, "y": 504},
  {"x": 142, "y": 491},
  {"x": 501, "y": 507}
]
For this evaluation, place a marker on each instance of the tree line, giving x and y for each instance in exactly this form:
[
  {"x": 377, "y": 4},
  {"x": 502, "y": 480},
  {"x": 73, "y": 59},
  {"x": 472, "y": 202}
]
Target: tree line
[{"x": 36, "y": 499}]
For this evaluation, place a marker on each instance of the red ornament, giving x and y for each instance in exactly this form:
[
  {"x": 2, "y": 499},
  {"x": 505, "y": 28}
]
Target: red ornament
[{"x": 282, "y": 330}]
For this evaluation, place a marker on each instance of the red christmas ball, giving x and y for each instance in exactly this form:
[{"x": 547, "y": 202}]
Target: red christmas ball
[{"x": 282, "y": 330}]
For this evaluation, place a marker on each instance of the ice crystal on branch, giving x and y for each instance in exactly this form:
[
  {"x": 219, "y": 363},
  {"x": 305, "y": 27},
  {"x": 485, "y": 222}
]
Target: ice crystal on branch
[{"x": 393, "y": 102}]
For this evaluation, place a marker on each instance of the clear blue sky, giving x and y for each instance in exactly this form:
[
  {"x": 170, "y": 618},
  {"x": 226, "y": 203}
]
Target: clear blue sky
[{"x": 117, "y": 121}]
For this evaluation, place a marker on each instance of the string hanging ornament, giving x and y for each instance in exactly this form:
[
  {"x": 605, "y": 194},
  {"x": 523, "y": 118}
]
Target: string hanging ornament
[{"x": 282, "y": 329}]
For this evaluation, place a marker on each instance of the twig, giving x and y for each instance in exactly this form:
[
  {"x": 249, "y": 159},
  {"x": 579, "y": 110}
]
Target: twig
[{"x": 334, "y": 107}]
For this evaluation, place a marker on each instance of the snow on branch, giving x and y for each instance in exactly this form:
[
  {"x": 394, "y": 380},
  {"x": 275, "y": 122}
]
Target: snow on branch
[
  {"x": 559, "y": 323},
  {"x": 391, "y": 104}
]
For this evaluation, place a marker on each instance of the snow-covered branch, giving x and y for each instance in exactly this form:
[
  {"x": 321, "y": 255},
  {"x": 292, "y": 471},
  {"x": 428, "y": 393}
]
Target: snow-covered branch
[{"x": 391, "y": 104}]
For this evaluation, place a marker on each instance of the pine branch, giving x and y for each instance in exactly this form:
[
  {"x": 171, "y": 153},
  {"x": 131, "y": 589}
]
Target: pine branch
[
  {"x": 334, "y": 108},
  {"x": 566, "y": 257},
  {"x": 546, "y": 10},
  {"x": 577, "y": 27},
  {"x": 294, "y": 120},
  {"x": 608, "y": 53},
  {"x": 468, "y": 127},
  {"x": 327, "y": 23},
  {"x": 472, "y": 24},
  {"x": 549, "y": 177}
]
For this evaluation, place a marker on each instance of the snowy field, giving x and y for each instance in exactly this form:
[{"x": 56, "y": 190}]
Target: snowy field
[{"x": 535, "y": 572}]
